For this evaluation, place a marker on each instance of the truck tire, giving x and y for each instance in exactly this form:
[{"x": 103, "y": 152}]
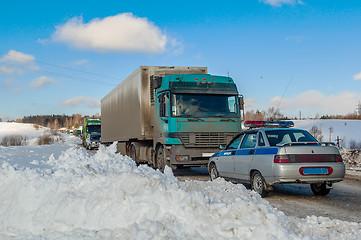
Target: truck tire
[
  {"x": 160, "y": 158},
  {"x": 133, "y": 152}
]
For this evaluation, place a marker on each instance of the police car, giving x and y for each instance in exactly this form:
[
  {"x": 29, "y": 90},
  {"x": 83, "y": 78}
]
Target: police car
[{"x": 272, "y": 152}]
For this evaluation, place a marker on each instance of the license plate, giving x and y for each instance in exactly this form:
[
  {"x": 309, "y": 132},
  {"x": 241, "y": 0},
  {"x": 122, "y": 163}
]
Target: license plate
[{"x": 312, "y": 171}]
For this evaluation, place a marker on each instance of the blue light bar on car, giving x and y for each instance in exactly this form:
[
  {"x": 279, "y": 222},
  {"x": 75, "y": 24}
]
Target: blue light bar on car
[{"x": 264, "y": 124}]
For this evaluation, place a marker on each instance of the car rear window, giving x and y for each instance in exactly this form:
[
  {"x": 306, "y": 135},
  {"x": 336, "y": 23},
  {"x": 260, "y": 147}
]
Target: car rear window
[{"x": 285, "y": 136}]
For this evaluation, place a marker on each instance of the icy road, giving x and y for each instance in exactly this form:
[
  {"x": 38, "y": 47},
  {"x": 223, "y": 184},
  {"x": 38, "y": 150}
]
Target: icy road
[{"x": 342, "y": 203}]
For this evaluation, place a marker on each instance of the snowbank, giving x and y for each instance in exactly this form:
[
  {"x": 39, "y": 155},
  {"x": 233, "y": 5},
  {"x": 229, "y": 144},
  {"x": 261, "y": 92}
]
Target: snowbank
[
  {"x": 61, "y": 191},
  {"x": 26, "y": 130},
  {"x": 106, "y": 196}
]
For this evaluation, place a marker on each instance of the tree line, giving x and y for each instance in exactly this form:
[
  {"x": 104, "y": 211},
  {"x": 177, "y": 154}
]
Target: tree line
[{"x": 56, "y": 121}]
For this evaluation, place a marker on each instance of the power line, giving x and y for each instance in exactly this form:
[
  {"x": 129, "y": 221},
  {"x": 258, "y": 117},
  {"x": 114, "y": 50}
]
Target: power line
[
  {"x": 70, "y": 77},
  {"x": 58, "y": 66}
]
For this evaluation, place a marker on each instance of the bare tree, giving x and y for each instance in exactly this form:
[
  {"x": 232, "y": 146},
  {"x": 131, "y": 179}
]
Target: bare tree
[{"x": 316, "y": 133}]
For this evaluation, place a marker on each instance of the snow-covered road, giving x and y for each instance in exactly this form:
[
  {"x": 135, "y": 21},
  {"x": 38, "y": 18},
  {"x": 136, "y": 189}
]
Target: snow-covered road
[{"x": 61, "y": 191}]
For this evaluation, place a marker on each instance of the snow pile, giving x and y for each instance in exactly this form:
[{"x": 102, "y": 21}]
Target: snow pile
[
  {"x": 26, "y": 130},
  {"x": 106, "y": 196},
  {"x": 352, "y": 158}
]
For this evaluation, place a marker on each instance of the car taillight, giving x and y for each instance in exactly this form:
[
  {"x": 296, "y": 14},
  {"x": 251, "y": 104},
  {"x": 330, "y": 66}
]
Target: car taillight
[
  {"x": 281, "y": 159},
  {"x": 339, "y": 158}
]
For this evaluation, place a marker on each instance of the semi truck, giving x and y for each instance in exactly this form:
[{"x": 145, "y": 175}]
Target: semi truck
[
  {"x": 174, "y": 116},
  {"x": 91, "y": 126}
]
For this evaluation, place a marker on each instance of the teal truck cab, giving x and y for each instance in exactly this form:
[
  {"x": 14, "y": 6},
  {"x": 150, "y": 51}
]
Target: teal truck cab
[{"x": 175, "y": 116}]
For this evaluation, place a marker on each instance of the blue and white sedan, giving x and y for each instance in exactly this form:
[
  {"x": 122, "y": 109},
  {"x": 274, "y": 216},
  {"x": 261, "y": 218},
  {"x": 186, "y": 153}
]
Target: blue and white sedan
[{"x": 271, "y": 152}]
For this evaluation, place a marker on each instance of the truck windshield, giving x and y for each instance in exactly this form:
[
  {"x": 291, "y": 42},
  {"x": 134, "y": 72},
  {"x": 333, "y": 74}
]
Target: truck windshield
[
  {"x": 93, "y": 128},
  {"x": 204, "y": 105}
]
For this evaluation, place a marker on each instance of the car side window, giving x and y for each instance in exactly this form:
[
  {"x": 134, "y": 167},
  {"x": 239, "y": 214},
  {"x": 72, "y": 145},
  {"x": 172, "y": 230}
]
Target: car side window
[
  {"x": 261, "y": 142},
  {"x": 235, "y": 143},
  {"x": 249, "y": 140}
]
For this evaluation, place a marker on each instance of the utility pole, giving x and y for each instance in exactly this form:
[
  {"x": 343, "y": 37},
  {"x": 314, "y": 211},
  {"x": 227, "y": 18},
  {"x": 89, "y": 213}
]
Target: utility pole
[
  {"x": 331, "y": 131},
  {"x": 338, "y": 139}
]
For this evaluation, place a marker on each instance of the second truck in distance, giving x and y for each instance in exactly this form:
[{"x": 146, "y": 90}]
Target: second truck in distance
[{"x": 175, "y": 116}]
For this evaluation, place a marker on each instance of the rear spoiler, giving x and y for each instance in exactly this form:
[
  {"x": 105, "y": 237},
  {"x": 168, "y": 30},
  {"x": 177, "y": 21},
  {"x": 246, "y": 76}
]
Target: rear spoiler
[{"x": 307, "y": 143}]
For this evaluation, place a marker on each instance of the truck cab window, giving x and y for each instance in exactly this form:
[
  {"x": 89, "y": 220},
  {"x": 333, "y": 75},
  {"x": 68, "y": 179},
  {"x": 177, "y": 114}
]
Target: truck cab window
[{"x": 164, "y": 105}]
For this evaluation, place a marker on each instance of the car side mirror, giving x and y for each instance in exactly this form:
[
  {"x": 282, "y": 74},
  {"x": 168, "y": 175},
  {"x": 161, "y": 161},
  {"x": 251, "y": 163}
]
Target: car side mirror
[{"x": 222, "y": 146}]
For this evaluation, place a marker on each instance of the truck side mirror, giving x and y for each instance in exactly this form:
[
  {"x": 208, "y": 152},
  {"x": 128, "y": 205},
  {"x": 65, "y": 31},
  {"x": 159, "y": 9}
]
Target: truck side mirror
[
  {"x": 156, "y": 81},
  {"x": 241, "y": 102}
]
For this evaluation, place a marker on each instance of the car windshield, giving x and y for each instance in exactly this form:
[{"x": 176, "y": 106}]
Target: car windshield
[
  {"x": 278, "y": 137},
  {"x": 204, "y": 105}
]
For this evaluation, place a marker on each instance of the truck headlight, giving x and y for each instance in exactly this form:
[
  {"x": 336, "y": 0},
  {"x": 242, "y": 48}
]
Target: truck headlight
[{"x": 182, "y": 158}]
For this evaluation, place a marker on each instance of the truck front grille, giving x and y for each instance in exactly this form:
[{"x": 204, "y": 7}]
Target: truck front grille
[{"x": 205, "y": 139}]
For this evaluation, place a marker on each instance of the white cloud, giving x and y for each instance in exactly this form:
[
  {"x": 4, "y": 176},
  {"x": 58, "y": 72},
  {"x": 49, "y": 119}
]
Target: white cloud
[
  {"x": 41, "y": 82},
  {"x": 314, "y": 102},
  {"x": 15, "y": 63},
  {"x": 17, "y": 90},
  {"x": 357, "y": 76},
  {"x": 122, "y": 32},
  {"x": 19, "y": 57},
  {"x": 81, "y": 100},
  {"x": 279, "y": 3},
  {"x": 6, "y": 71},
  {"x": 80, "y": 62},
  {"x": 249, "y": 103}
]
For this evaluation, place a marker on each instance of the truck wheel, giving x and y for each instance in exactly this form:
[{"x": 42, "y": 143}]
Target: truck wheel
[
  {"x": 258, "y": 184},
  {"x": 213, "y": 172},
  {"x": 160, "y": 158},
  {"x": 133, "y": 152},
  {"x": 319, "y": 189}
]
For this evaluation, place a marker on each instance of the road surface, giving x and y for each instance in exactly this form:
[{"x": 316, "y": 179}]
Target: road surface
[{"x": 343, "y": 202}]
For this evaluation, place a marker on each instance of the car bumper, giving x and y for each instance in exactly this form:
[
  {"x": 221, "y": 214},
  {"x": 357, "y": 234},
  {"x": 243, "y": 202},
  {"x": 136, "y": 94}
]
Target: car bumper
[{"x": 290, "y": 173}]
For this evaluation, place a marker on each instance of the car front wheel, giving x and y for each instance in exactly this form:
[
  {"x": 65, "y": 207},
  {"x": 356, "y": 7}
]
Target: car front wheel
[
  {"x": 213, "y": 172},
  {"x": 320, "y": 189},
  {"x": 258, "y": 184}
]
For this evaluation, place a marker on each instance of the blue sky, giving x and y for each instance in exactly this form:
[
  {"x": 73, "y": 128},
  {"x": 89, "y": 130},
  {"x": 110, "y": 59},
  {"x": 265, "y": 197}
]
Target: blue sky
[{"x": 62, "y": 57}]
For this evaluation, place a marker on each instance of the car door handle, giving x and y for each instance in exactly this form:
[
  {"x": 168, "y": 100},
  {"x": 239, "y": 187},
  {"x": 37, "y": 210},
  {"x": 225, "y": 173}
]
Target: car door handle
[
  {"x": 251, "y": 152},
  {"x": 233, "y": 152}
]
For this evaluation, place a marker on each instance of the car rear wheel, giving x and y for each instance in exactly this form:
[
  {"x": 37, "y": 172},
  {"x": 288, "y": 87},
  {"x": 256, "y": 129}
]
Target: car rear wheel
[
  {"x": 213, "y": 172},
  {"x": 320, "y": 189},
  {"x": 258, "y": 184}
]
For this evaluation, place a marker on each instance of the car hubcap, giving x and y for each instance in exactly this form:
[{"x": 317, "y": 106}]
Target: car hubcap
[
  {"x": 257, "y": 183},
  {"x": 214, "y": 174}
]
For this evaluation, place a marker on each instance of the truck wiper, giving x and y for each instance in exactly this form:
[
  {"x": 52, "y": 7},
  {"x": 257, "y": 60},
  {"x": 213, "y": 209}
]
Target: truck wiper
[
  {"x": 227, "y": 119},
  {"x": 195, "y": 120}
]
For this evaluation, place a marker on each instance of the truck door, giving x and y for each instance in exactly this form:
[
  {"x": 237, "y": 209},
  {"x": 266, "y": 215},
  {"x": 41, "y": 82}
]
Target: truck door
[
  {"x": 245, "y": 154},
  {"x": 164, "y": 110}
]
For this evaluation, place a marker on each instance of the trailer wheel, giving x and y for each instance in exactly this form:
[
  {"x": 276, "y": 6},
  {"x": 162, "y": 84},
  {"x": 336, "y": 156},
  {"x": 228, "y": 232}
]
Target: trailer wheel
[{"x": 160, "y": 158}]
